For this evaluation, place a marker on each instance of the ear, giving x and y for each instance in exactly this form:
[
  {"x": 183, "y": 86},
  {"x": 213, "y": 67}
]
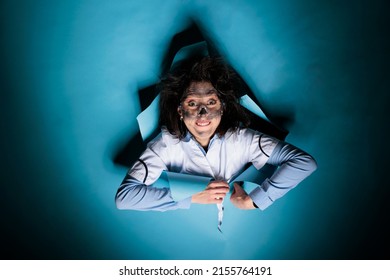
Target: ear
[{"x": 180, "y": 111}]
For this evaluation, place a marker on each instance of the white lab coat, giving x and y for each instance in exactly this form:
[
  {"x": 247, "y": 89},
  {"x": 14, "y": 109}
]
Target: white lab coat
[{"x": 225, "y": 159}]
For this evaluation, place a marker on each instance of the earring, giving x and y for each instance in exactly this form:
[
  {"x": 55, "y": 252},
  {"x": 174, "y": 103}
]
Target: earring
[
  {"x": 221, "y": 112},
  {"x": 181, "y": 118}
]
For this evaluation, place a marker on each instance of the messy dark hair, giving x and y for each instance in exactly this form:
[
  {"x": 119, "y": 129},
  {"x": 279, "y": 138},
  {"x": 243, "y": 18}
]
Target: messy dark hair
[{"x": 206, "y": 69}]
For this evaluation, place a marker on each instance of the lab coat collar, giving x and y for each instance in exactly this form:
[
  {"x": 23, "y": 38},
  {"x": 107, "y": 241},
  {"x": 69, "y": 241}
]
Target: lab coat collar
[{"x": 190, "y": 137}]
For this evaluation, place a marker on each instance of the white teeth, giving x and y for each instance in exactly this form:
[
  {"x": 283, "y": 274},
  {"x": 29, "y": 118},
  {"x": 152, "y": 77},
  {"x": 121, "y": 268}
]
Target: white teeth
[{"x": 202, "y": 124}]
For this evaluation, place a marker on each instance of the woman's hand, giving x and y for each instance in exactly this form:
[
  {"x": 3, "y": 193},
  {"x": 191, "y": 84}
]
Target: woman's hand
[
  {"x": 241, "y": 199},
  {"x": 213, "y": 194}
]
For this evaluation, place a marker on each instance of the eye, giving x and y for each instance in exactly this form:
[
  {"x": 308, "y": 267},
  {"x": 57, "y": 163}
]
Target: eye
[
  {"x": 212, "y": 102},
  {"x": 191, "y": 104}
]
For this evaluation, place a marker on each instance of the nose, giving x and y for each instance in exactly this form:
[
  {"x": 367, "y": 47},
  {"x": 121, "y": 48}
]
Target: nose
[{"x": 202, "y": 111}]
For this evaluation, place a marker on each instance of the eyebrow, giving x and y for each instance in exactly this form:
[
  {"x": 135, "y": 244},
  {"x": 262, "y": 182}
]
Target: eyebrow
[
  {"x": 190, "y": 97},
  {"x": 208, "y": 90},
  {"x": 200, "y": 94}
]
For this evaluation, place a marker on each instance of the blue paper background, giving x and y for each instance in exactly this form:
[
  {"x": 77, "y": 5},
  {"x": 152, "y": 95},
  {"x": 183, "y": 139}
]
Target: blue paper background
[{"x": 70, "y": 76}]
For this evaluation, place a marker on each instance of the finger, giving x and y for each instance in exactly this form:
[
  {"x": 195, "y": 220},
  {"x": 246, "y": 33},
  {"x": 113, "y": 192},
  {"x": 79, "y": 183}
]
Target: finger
[
  {"x": 217, "y": 195},
  {"x": 238, "y": 189},
  {"x": 235, "y": 191},
  {"x": 218, "y": 199},
  {"x": 219, "y": 190},
  {"x": 215, "y": 184},
  {"x": 214, "y": 199}
]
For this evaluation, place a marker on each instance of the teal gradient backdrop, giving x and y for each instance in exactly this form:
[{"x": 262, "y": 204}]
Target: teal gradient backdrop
[{"x": 70, "y": 76}]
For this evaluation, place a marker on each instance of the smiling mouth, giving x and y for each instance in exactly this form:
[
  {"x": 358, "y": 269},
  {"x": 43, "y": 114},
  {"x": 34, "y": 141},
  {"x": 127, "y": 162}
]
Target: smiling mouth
[{"x": 203, "y": 123}]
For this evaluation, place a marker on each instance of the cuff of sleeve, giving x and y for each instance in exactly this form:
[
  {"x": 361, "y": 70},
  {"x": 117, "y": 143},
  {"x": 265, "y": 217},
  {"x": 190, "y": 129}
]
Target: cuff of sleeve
[
  {"x": 184, "y": 203},
  {"x": 260, "y": 198}
]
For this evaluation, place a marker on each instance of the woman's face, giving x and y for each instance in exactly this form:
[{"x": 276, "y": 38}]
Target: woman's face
[{"x": 201, "y": 110}]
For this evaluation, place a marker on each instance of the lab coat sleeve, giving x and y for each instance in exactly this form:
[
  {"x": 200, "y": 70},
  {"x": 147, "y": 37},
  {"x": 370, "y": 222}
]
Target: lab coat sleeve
[
  {"x": 294, "y": 165},
  {"x": 138, "y": 190},
  {"x": 135, "y": 195}
]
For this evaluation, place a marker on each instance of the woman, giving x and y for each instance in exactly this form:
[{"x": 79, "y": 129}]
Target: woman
[{"x": 204, "y": 132}]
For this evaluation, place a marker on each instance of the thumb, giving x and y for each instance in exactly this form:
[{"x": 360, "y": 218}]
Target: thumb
[{"x": 237, "y": 187}]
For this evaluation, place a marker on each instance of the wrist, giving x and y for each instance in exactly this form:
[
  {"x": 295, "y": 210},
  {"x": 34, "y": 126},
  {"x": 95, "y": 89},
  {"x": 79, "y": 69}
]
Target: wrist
[
  {"x": 250, "y": 204},
  {"x": 247, "y": 203},
  {"x": 194, "y": 198}
]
